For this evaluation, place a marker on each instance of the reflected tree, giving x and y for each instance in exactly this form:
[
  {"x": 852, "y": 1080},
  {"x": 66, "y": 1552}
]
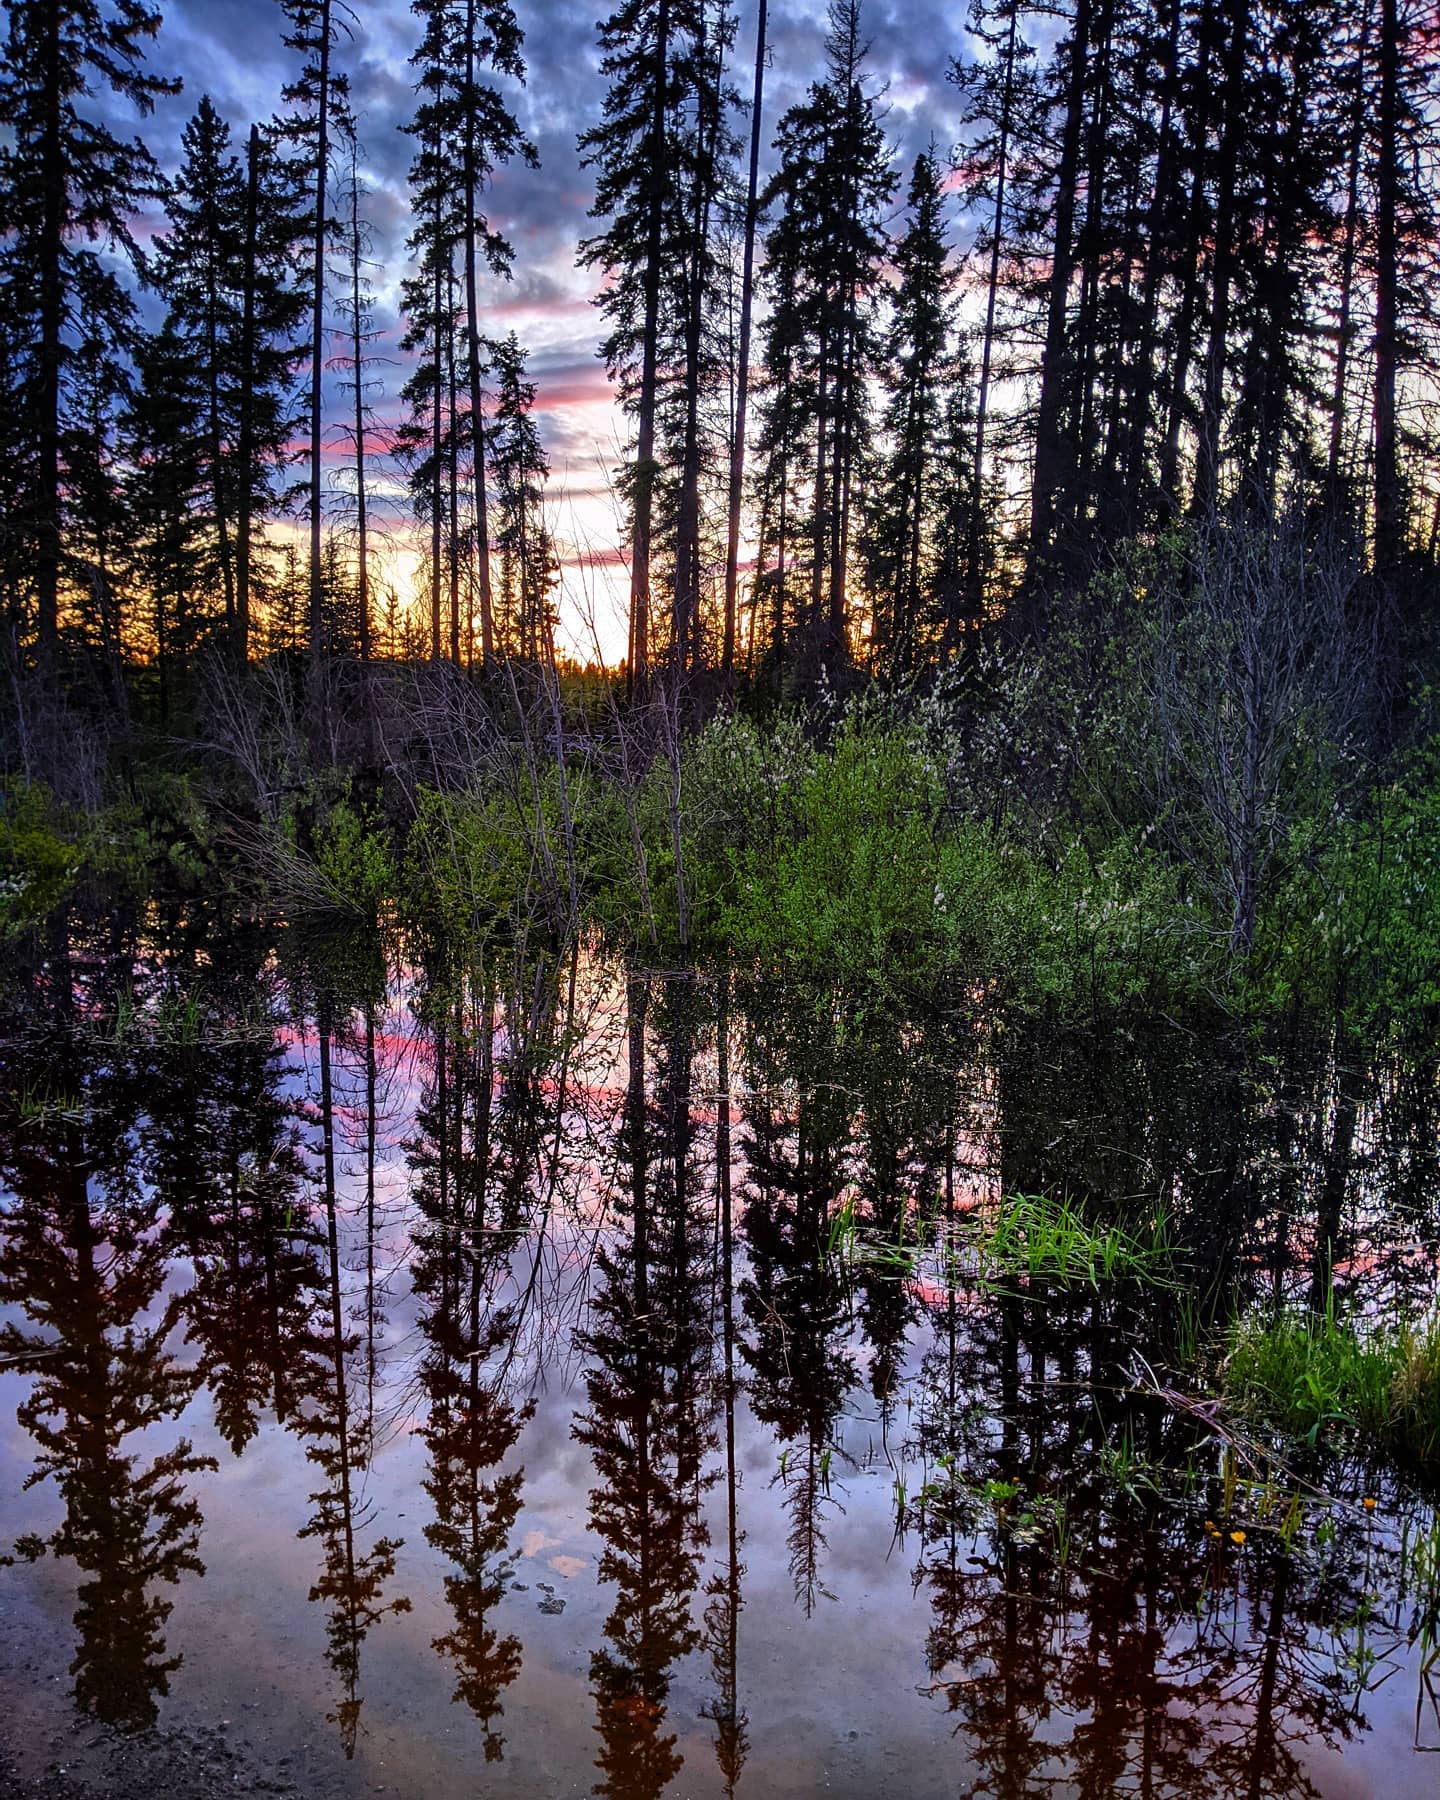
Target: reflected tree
[
  {"x": 352, "y": 1577},
  {"x": 793, "y": 1296},
  {"x": 84, "y": 1263},
  {"x": 649, "y": 1423},
  {"x": 464, "y": 1247}
]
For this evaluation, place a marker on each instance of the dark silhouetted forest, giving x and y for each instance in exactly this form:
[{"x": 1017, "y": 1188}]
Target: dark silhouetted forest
[{"x": 1179, "y": 267}]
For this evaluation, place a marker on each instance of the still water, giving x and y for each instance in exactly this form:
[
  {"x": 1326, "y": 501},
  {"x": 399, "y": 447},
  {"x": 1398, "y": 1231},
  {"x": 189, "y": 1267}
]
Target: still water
[{"x": 558, "y": 1379}]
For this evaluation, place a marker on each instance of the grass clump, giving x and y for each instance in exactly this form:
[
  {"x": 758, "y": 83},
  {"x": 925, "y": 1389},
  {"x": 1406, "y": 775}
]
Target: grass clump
[
  {"x": 1415, "y": 1394},
  {"x": 1031, "y": 1240},
  {"x": 1043, "y": 1240},
  {"x": 1309, "y": 1375}
]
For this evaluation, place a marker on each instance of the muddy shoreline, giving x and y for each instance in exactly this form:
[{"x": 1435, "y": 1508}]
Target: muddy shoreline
[{"x": 48, "y": 1752}]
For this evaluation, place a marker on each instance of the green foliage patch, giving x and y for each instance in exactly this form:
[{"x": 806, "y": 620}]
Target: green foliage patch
[{"x": 1311, "y": 1377}]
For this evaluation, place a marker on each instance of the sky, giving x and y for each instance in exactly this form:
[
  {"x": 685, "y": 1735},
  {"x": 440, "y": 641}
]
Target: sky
[{"x": 232, "y": 50}]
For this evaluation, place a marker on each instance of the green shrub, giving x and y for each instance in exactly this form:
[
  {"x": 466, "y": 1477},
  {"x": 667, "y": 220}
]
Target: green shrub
[
  {"x": 161, "y": 841},
  {"x": 851, "y": 884},
  {"x": 1310, "y": 1376},
  {"x": 353, "y": 856},
  {"x": 1360, "y": 929},
  {"x": 38, "y": 858},
  {"x": 1094, "y": 932},
  {"x": 466, "y": 866}
]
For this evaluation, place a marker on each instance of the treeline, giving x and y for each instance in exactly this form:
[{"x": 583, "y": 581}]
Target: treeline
[
  {"x": 144, "y": 465},
  {"x": 1179, "y": 267}
]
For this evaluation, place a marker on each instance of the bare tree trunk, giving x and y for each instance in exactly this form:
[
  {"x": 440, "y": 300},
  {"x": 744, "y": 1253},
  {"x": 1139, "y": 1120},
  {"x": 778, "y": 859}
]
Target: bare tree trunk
[
  {"x": 742, "y": 374},
  {"x": 452, "y": 387},
  {"x": 686, "y": 607},
  {"x": 1160, "y": 199},
  {"x": 1054, "y": 382},
  {"x": 362, "y": 515},
  {"x": 437, "y": 434},
  {"x": 1090, "y": 249},
  {"x": 1388, "y": 529},
  {"x": 1389, "y": 508},
  {"x": 1344, "y": 325},
  {"x": 245, "y": 445},
  {"x": 215, "y": 449},
  {"x": 644, "y": 495},
  {"x": 54, "y": 205},
  {"x": 975, "y": 572},
  {"x": 1222, "y": 275},
  {"x": 1178, "y": 373},
  {"x": 472, "y": 316},
  {"x": 840, "y": 486},
  {"x": 822, "y": 426},
  {"x": 317, "y": 333}
]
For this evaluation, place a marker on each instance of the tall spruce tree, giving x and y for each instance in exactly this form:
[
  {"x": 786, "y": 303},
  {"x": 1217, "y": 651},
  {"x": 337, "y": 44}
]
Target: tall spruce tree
[
  {"x": 464, "y": 128},
  {"x": 319, "y": 99},
  {"x": 519, "y": 469},
  {"x": 825, "y": 252},
  {"x": 908, "y": 480},
  {"x": 93, "y": 451},
  {"x": 659, "y": 152},
  {"x": 428, "y": 436},
  {"x": 170, "y": 546},
  {"x": 735, "y": 494},
  {"x": 272, "y": 309},
  {"x": 488, "y": 134},
  {"x": 357, "y": 308},
  {"x": 70, "y": 185},
  {"x": 199, "y": 267},
  {"x": 694, "y": 406},
  {"x": 224, "y": 268},
  {"x": 1000, "y": 111}
]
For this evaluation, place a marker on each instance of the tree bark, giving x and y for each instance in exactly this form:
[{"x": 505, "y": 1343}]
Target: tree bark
[
  {"x": 1222, "y": 274},
  {"x": 1388, "y": 525},
  {"x": 54, "y": 206},
  {"x": 317, "y": 334},
  {"x": 975, "y": 571}
]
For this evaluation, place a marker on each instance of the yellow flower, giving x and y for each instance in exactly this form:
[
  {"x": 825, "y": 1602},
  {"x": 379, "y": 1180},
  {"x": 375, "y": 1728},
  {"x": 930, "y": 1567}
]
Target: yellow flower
[
  {"x": 1237, "y": 1537},
  {"x": 1368, "y": 1503}
]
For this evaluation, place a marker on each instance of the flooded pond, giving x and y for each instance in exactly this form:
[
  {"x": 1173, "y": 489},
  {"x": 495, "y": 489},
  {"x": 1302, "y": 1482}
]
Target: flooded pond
[{"x": 575, "y": 1379}]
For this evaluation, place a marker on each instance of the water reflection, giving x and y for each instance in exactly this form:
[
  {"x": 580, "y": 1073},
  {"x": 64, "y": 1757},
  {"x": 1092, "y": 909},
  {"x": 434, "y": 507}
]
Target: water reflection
[
  {"x": 530, "y": 1245},
  {"x": 724, "y": 1590},
  {"x": 801, "y": 1367},
  {"x": 84, "y": 1261},
  {"x": 469, "y": 1197},
  {"x": 353, "y": 1574},
  {"x": 649, "y": 1422}
]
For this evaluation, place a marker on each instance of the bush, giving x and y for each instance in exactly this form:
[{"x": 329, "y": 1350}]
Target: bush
[
  {"x": 38, "y": 858},
  {"x": 853, "y": 884},
  {"x": 1310, "y": 1376},
  {"x": 1356, "y": 928},
  {"x": 1091, "y": 932},
  {"x": 467, "y": 869}
]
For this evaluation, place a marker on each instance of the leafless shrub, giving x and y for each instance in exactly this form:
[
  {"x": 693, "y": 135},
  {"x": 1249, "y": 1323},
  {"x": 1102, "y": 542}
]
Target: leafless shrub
[
  {"x": 1257, "y": 676},
  {"x": 61, "y": 736},
  {"x": 255, "y": 721}
]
